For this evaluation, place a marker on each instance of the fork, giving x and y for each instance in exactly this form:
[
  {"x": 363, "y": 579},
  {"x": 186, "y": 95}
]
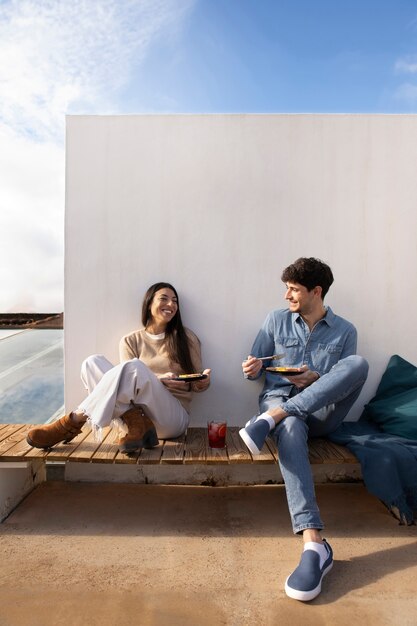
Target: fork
[{"x": 273, "y": 356}]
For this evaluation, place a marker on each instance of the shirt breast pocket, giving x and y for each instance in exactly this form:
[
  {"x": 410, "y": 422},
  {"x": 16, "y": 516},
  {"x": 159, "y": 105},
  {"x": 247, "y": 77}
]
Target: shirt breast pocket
[
  {"x": 292, "y": 351},
  {"x": 327, "y": 355}
]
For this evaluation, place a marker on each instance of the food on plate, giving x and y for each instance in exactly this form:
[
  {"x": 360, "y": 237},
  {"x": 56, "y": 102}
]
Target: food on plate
[{"x": 284, "y": 370}]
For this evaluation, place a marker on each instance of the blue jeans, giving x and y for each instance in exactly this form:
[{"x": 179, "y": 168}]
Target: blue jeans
[{"x": 315, "y": 411}]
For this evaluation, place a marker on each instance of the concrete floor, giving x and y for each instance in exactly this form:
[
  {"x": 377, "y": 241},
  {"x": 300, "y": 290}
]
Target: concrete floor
[{"x": 122, "y": 554}]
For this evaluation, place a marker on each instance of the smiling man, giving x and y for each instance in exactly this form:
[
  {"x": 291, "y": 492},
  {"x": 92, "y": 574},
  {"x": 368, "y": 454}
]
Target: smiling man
[{"x": 311, "y": 402}]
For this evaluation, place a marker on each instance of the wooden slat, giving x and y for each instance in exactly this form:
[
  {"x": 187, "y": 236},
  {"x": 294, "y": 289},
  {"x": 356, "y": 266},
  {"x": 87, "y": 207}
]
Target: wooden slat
[
  {"x": 14, "y": 445},
  {"x": 195, "y": 445},
  {"x": 348, "y": 456},
  {"x": 107, "y": 450},
  {"x": 216, "y": 456},
  {"x": 265, "y": 456},
  {"x": 314, "y": 452},
  {"x": 125, "y": 459},
  {"x": 320, "y": 448},
  {"x": 9, "y": 429},
  {"x": 142, "y": 456},
  {"x": 36, "y": 453},
  {"x": 3, "y": 427},
  {"x": 190, "y": 448},
  {"x": 173, "y": 451},
  {"x": 151, "y": 456},
  {"x": 273, "y": 448},
  {"x": 85, "y": 451},
  {"x": 20, "y": 449},
  {"x": 236, "y": 449}
]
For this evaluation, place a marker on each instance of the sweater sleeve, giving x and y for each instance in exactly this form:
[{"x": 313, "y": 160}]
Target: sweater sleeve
[{"x": 128, "y": 348}]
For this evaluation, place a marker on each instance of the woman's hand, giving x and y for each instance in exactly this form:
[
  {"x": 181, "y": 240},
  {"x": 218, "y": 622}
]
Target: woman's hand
[
  {"x": 251, "y": 367},
  {"x": 167, "y": 380},
  {"x": 202, "y": 385},
  {"x": 185, "y": 385}
]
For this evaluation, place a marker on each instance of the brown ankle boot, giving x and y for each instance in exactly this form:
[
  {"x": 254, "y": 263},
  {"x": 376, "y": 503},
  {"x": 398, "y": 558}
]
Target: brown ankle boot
[
  {"x": 141, "y": 432},
  {"x": 48, "y": 435}
]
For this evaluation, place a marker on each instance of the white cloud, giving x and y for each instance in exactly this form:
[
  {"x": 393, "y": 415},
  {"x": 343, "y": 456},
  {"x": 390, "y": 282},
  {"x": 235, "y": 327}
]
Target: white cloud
[
  {"x": 406, "y": 65},
  {"x": 31, "y": 224},
  {"x": 407, "y": 92},
  {"x": 57, "y": 57}
]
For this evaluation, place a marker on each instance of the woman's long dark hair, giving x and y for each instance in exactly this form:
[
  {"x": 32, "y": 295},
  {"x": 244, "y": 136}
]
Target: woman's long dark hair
[{"x": 175, "y": 336}]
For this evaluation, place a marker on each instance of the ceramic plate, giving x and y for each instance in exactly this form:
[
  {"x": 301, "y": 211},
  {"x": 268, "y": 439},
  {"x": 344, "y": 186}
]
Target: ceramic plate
[
  {"x": 284, "y": 371},
  {"x": 190, "y": 378}
]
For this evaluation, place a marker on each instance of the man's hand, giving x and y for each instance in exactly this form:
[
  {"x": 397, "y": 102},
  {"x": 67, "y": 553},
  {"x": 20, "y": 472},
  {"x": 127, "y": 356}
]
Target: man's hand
[
  {"x": 251, "y": 367},
  {"x": 303, "y": 380}
]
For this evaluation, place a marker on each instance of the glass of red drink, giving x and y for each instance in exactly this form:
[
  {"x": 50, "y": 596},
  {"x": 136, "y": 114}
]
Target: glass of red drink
[{"x": 217, "y": 433}]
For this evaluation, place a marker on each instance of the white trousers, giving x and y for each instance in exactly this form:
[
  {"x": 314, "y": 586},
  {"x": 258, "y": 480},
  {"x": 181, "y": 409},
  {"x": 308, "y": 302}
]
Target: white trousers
[{"x": 112, "y": 388}]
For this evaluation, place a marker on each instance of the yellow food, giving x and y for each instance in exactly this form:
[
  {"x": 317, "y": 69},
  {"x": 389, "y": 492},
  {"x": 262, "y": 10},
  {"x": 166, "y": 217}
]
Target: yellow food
[
  {"x": 282, "y": 369},
  {"x": 189, "y": 375}
]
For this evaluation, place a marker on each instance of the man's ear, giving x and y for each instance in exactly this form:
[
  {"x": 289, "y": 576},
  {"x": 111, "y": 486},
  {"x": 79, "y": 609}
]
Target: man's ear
[{"x": 317, "y": 291}]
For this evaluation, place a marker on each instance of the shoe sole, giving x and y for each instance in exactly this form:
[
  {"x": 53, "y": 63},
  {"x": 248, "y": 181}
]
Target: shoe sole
[
  {"x": 306, "y": 596},
  {"x": 249, "y": 442},
  {"x": 35, "y": 445}
]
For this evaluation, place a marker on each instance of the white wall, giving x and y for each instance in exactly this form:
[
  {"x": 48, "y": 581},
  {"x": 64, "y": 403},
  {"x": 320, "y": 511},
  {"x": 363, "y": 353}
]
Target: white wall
[{"x": 218, "y": 205}]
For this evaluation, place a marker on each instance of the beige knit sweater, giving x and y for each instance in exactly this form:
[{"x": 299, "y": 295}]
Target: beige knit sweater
[{"x": 152, "y": 351}]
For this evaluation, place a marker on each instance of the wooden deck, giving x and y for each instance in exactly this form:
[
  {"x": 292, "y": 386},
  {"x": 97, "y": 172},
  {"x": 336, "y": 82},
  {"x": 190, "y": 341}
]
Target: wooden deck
[{"x": 191, "y": 448}]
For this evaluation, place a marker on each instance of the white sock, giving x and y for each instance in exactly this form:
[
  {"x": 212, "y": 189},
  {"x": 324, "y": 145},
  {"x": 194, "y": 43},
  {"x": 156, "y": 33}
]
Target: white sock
[
  {"x": 78, "y": 417},
  {"x": 268, "y": 418},
  {"x": 320, "y": 548}
]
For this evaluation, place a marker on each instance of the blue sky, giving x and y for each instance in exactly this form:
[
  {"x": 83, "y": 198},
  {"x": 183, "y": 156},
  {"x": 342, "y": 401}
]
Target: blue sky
[
  {"x": 284, "y": 56},
  {"x": 161, "y": 56}
]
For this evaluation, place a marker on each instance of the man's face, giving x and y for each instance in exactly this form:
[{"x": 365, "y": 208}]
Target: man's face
[{"x": 300, "y": 299}]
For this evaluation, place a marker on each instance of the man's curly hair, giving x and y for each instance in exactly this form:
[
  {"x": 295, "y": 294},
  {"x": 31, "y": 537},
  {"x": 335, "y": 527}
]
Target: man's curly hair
[{"x": 309, "y": 272}]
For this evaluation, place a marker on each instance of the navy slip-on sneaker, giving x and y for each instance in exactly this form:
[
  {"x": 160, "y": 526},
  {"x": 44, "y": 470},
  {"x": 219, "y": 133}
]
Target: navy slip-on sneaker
[
  {"x": 305, "y": 582},
  {"x": 251, "y": 421},
  {"x": 254, "y": 434}
]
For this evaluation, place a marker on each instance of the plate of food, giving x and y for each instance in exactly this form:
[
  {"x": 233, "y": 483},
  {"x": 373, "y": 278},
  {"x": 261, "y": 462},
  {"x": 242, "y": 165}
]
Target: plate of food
[
  {"x": 284, "y": 371},
  {"x": 190, "y": 378}
]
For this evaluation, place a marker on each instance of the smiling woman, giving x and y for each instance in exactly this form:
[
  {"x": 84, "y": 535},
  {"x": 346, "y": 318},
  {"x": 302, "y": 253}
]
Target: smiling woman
[
  {"x": 161, "y": 314},
  {"x": 144, "y": 392}
]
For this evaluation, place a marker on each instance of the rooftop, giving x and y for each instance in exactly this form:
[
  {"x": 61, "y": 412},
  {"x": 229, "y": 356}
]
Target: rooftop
[{"x": 129, "y": 554}]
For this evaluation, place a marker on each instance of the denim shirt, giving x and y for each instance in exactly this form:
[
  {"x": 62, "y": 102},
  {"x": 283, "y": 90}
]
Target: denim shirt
[{"x": 332, "y": 338}]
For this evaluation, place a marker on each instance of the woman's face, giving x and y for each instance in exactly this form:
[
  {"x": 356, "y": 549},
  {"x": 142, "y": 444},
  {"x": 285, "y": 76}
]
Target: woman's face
[{"x": 164, "y": 306}]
